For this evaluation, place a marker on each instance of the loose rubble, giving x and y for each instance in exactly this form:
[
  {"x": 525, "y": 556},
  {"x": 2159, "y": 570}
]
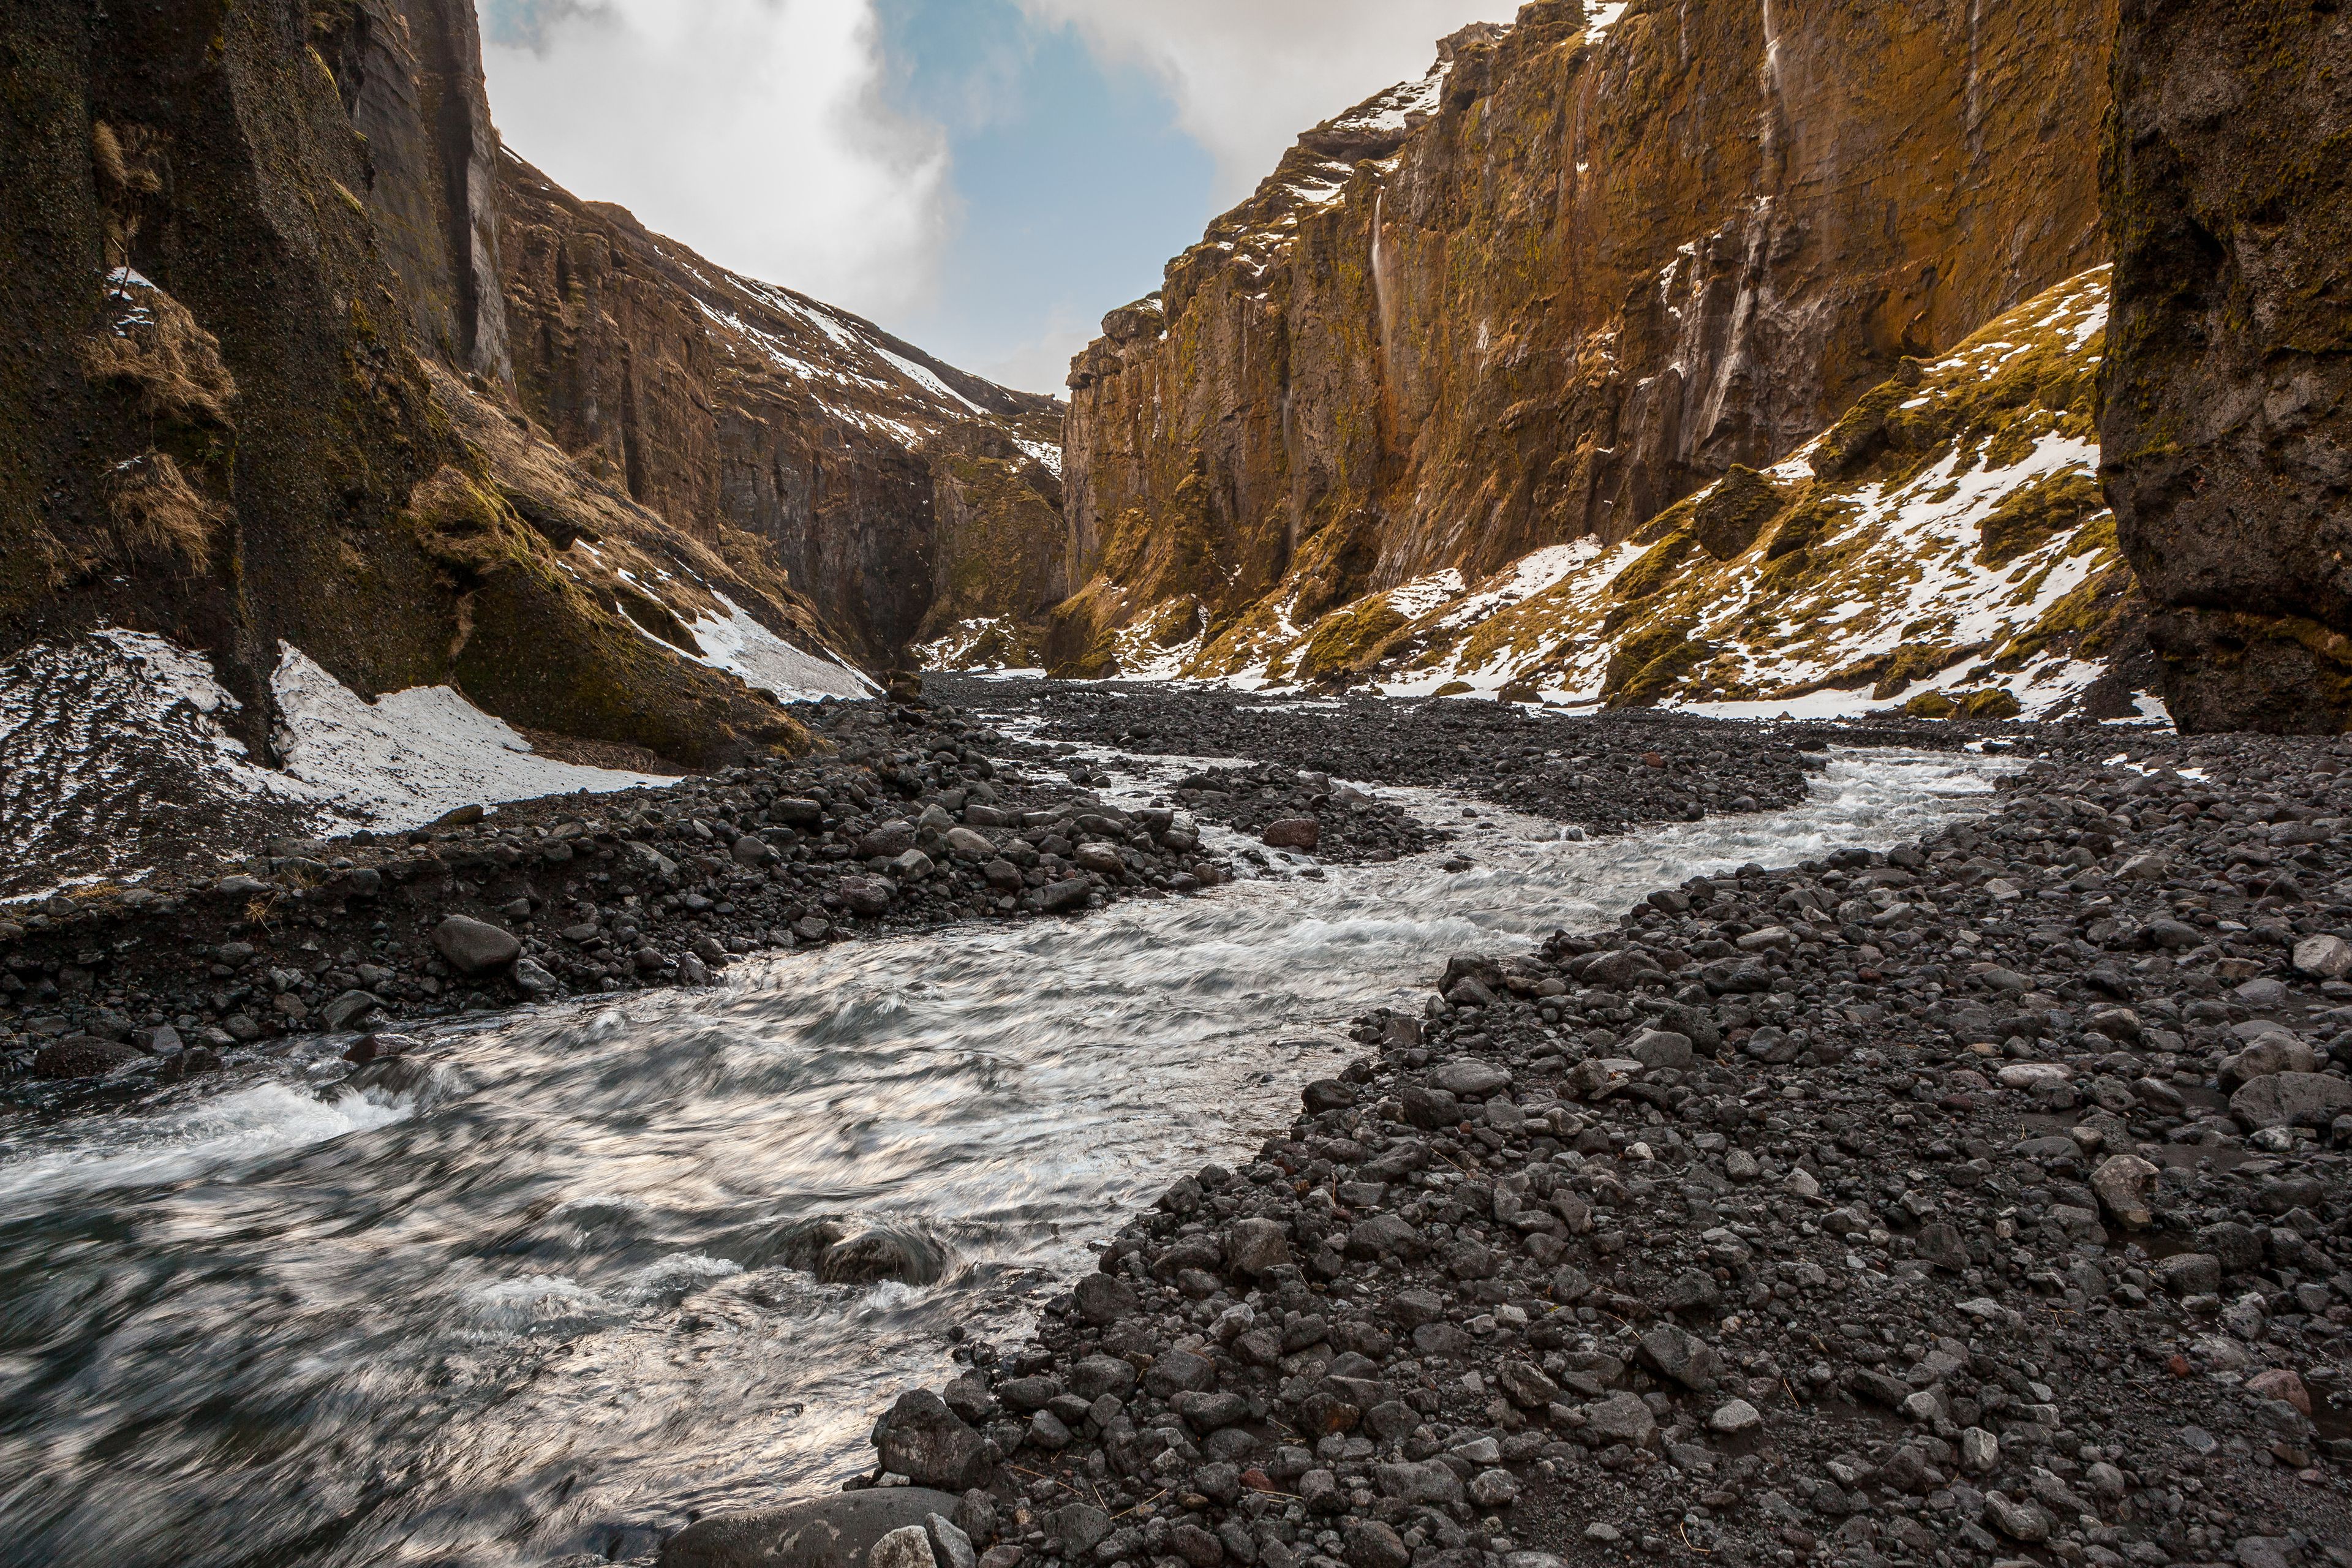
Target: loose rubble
[
  {"x": 1605, "y": 771},
  {"x": 906, "y": 824},
  {"x": 1983, "y": 1201},
  {"x": 1282, "y": 807}
]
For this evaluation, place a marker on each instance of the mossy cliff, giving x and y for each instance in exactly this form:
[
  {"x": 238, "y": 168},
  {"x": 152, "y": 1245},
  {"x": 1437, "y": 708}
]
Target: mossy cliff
[
  {"x": 205, "y": 145},
  {"x": 1942, "y": 547},
  {"x": 2227, "y": 416},
  {"x": 293, "y": 354},
  {"x": 771, "y": 426},
  {"x": 1575, "y": 276}
]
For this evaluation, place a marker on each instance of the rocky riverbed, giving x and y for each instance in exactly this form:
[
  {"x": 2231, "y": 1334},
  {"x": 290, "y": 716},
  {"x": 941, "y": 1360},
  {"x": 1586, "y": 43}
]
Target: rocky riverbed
[
  {"x": 1971, "y": 1200},
  {"x": 1605, "y": 771},
  {"x": 902, "y": 822},
  {"x": 1983, "y": 1200}
]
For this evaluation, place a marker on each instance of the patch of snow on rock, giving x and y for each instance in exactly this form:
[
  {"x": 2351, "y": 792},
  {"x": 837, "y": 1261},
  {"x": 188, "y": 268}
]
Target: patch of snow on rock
[
  {"x": 745, "y": 648},
  {"x": 411, "y": 756}
]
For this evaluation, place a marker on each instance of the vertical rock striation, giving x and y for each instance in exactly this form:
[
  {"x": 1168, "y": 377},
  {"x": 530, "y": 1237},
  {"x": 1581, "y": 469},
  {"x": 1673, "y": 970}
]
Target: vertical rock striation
[
  {"x": 410, "y": 76},
  {"x": 1591, "y": 262},
  {"x": 2227, "y": 414}
]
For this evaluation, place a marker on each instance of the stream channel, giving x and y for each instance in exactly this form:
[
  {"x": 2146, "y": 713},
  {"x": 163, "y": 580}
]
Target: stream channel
[{"x": 545, "y": 1305}]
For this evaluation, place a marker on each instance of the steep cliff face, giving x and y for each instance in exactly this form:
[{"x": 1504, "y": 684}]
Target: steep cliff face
[
  {"x": 207, "y": 389},
  {"x": 409, "y": 73},
  {"x": 773, "y": 426},
  {"x": 272, "y": 281},
  {"x": 1942, "y": 547},
  {"x": 2228, "y": 413},
  {"x": 1593, "y": 261}
]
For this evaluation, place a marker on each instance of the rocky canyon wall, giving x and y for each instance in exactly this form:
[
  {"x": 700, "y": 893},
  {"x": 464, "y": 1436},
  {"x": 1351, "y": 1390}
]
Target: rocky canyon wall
[
  {"x": 2227, "y": 415},
  {"x": 295, "y": 357},
  {"x": 1596, "y": 259},
  {"x": 769, "y": 425},
  {"x": 212, "y": 416}
]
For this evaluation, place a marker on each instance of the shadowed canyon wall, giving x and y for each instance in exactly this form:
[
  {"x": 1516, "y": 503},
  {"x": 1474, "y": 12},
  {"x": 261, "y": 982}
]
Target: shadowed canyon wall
[
  {"x": 2227, "y": 418},
  {"x": 762, "y": 421},
  {"x": 1575, "y": 276}
]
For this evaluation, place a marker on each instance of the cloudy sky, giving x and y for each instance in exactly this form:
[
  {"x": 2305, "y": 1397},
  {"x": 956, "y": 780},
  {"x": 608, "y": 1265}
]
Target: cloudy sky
[{"x": 985, "y": 177}]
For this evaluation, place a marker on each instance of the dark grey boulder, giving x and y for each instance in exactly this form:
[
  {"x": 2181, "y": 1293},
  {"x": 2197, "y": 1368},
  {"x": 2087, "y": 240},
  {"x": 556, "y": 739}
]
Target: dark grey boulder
[
  {"x": 2292, "y": 1100},
  {"x": 921, "y": 1439},
  {"x": 825, "y": 1532},
  {"x": 475, "y": 947},
  {"x": 82, "y": 1056},
  {"x": 877, "y": 1255},
  {"x": 1104, "y": 1299},
  {"x": 867, "y": 896}
]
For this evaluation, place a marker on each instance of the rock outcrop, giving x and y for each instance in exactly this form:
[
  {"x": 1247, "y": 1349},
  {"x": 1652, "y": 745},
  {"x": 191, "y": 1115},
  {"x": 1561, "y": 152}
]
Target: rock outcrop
[
  {"x": 1589, "y": 265},
  {"x": 297, "y": 362},
  {"x": 2228, "y": 409},
  {"x": 409, "y": 73},
  {"x": 1942, "y": 547},
  {"x": 773, "y": 427}
]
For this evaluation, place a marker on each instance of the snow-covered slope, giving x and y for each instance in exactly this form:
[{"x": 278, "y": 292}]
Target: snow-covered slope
[
  {"x": 115, "y": 760},
  {"x": 1943, "y": 548}
]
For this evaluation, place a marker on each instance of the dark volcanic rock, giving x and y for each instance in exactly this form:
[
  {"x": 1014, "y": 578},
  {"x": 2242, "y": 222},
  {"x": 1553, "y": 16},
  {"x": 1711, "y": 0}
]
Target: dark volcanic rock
[
  {"x": 542, "y": 899},
  {"x": 825, "y": 1532},
  {"x": 926, "y": 1442},
  {"x": 1771, "y": 1216},
  {"x": 1601, "y": 772},
  {"x": 475, "y": 947},
  {"x": 2228, "y": 380},
  {"x": 81, "y": 1056}
]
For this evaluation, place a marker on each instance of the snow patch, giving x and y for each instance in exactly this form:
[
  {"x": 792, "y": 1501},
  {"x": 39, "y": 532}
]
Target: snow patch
[
  {"x": 923, "y": 376},
  {"x": 1049, "y": 453},
  {"x": 411, "y": 756},
  {"x": 758, "y": 657}
]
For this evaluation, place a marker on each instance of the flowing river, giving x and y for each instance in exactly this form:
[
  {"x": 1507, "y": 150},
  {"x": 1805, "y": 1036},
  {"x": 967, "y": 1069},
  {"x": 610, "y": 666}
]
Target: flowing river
[{"x": 546, "y": 1304}]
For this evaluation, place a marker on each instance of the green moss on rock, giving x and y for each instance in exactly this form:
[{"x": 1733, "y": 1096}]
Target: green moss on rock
[
  {"x": 1653, "y": 570},
  {"x": 1649, "y": 665},
  {"x": 1731, "y": 515},
  {"x": 1350, "y": 641}
]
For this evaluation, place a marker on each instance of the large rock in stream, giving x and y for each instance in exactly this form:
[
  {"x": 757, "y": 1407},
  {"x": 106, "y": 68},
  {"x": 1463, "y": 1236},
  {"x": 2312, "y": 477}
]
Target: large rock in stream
[{"x": 825, "y": 1532}]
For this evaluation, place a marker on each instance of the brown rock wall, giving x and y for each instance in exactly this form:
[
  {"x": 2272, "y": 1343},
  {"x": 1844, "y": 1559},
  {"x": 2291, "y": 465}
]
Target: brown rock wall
[
  {"x": 203, "y": 146},
  {"x": 2227, "y": 419},
  {"x": 295, "y": 420},
  {"x": 755, "y": 419},
  {"x": 410, "y": 76},
  {"x": 1590, "y": 274}
]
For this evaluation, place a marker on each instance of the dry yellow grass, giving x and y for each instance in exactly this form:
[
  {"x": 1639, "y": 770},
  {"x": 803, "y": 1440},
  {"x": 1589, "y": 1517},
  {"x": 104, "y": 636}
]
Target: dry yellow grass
[
  {"x": 155, "y": 349},
  {"x": 157, "y": 515}
]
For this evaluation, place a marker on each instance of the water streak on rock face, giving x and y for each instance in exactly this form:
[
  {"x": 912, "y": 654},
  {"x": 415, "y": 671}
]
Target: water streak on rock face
[
  {"x": 1573, "y": 276},
  {"x": 2228, "y": 409}
]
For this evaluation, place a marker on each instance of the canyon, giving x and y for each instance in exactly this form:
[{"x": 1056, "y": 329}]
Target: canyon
[
  {"x": 1615, "y": 362},
  {"x": 1593, "y": 263},
  {"x": 528, "y": 1035},
  {"x": 300, "y": 357}
]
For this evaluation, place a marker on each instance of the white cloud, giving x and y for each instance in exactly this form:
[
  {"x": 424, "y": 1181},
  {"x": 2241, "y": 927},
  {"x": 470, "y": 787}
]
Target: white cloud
[
  {"x": 1247, "y": 75},
  {"x": 754, "y": 131},
  {"x": 1041, "y": 361}
]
